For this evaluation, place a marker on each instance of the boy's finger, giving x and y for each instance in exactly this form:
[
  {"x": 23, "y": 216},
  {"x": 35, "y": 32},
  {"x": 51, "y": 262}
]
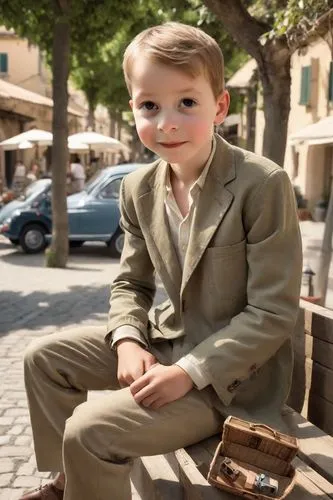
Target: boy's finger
[
  {"x": 144, "y": 393},
  {"x": 147, "y": 402},
  {"x": 139, "y": 384}
]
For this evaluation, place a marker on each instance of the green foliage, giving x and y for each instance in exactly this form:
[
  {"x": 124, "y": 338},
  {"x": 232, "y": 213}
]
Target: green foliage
[
  {"x": 92, "y": 22},
  {"x": 290, "y": 15},
  {"x": 104, "y": 68}
]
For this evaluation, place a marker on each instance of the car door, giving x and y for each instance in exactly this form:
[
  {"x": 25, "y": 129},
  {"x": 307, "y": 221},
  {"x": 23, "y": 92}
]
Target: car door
[{"x": 99, "y": 217}]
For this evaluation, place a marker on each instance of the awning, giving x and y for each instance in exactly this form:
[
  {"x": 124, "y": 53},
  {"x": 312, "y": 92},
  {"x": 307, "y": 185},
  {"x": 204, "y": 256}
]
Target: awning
[
  {"x": 314, "y": 134},
  {"x": 242, "y": 78},
  {"x": 11, "y": 91}
]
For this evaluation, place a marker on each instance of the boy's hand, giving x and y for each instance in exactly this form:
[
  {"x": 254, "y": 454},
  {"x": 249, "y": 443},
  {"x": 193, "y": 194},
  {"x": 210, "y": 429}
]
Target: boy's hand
[
  {"x": 133, "y": 361},
  {"x": 161, "y": 385}
]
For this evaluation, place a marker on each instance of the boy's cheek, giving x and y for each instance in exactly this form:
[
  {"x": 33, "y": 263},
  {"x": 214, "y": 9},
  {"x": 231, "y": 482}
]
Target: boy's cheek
[{"x": 145, "y": 133}]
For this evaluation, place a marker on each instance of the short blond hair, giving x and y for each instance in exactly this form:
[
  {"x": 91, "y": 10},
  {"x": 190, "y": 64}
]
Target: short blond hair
[{"x": 178, "y": 45}]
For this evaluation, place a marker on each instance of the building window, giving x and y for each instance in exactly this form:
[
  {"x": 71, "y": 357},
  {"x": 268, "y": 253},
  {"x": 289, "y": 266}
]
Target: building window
[
  {"x": 3, "y": 62},
  {"x": 305, "y": 97},
  {"x": 330, "y": 83}
]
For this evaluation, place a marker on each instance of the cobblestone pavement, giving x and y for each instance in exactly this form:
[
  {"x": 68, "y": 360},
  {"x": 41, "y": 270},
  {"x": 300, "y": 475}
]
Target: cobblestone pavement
[{"x": 35, "y": 300}]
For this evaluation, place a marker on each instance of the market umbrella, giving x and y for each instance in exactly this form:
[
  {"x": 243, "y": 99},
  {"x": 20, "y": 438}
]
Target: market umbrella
[
  {"x": 34, "y": 136},
  {"x": 25, "y": 145},
  {"x": 77, "y": 147},
  {"x": 96, "y": 141}
]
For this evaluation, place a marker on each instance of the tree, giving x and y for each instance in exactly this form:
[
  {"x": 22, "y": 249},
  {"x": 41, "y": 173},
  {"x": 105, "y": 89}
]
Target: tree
[
  {"x": 62, "y": 28},
  {"x": 261, "y": 28}
]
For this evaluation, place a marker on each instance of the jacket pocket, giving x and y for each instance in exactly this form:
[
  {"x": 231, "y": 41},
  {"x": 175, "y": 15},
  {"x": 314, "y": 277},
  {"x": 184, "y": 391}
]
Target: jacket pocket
[{"x": 227, "y": 268}]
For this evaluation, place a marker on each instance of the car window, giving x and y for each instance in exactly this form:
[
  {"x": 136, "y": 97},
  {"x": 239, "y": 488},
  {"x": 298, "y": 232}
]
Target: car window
[
  {"x": 111, "y": 190},
  {"x": 96, "y": 179},
  {"x": 34, "y": 189}
]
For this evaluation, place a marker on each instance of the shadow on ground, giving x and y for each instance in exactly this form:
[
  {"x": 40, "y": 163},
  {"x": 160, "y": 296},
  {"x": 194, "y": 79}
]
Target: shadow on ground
[
  {"x": 39, "y": 309},
  {"x": 95, "y": 253}
]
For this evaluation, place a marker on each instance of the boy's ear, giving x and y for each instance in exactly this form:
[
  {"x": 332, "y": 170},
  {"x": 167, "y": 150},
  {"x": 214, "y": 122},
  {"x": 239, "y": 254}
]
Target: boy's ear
[
  {"x": 223, "y": 102},
  {"x": 131, "y": 103}
]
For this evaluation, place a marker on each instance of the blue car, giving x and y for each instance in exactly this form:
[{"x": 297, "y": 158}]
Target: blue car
[
  {"x": 32, "y": 196},
  {"x": 93, "y": 215}
]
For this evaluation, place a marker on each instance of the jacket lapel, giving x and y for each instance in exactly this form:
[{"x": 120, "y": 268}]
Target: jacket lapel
[
  {"x": 157, "y": 232},
  {"x": 215, "y": 200}
]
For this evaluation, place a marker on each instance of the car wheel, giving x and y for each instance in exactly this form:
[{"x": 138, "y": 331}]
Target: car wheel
[
  {"x": 116, "y": 243},
  {"x": 14, "y": 241},
  {"x": 32, "y": 238},
  {"x": 76, "y": 243}
]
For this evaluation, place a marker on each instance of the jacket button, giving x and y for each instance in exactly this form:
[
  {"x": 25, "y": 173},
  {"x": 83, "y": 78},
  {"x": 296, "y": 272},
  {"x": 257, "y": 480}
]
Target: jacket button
[{"x": 233, "y": 386}]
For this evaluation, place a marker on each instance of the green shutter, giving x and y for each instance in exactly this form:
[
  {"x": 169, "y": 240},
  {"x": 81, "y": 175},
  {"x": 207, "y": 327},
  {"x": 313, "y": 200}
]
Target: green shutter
[
  {"x": 3, "y": 63},
  {"x": 330, "y": 83},
  {"x": 305, "y": 97}
]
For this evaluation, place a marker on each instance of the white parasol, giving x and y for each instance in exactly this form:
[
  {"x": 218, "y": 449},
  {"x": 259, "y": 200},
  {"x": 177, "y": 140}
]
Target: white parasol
[
  {"x": 97, "y": 141},
  {"x": 34, "y": 136}
]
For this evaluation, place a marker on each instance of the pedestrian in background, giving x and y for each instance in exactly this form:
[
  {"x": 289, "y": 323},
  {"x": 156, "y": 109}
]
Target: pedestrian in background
[
  {"x": 77, "y": 175},
  {"x": 19, "y": 179},
  {"x": 33, "y": 175}
]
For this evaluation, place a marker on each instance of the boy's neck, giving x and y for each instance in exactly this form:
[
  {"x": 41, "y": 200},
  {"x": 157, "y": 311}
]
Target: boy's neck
[{"x": 187, "y": 175}]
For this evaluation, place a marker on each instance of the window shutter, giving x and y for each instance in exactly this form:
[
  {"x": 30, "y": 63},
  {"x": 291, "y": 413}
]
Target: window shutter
[
  {"x": 305, "y": 97},
  {"x": 3, "y": 63},
  {"x": 330, "y": 83}
]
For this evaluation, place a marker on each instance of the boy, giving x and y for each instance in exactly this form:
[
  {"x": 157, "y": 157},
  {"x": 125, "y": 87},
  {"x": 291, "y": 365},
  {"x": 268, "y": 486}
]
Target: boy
[{"x": 218, "y": 226}]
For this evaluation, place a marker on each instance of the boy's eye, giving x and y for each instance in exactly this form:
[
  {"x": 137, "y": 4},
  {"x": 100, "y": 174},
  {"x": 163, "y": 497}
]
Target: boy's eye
[
  {"x": 188, "y": 103},
  {"x": 148, "y": 105}
]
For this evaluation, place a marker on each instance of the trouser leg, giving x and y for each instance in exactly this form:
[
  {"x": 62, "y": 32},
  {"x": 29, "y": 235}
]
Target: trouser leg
[
  {"x": 103, "y": 436},
  {"x": 59, "y": 370}
]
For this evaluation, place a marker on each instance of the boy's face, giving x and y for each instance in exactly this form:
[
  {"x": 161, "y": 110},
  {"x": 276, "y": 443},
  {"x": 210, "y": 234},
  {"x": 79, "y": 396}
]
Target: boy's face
[{"x": 174, "y": 113}]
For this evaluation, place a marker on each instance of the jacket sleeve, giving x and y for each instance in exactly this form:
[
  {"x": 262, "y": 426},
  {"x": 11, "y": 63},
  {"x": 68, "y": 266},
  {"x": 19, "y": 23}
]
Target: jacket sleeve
[
  {"x": 274, "y": 258},
  {"x": 133, "y": 291}
]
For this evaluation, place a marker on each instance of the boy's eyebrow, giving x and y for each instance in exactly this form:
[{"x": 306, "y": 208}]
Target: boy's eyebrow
[{"x": 188, "y": 90}]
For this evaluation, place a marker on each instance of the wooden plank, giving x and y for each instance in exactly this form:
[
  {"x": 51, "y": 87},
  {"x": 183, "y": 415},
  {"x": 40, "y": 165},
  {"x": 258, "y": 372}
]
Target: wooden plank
[
  {"x": 154, "y": 479},
  {"x": 322, "y": 380},
  {"x": 318, "y": 350},
  {"x": 311, "y": 481},
  {"x": 313, "y": 377},
  {"x": 320, "y": 412},
  {"x": 315, "y": 446},
  {"x": 318, "y": 321}
]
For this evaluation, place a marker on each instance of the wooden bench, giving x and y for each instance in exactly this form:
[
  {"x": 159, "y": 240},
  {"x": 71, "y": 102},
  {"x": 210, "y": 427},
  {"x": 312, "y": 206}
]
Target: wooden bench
[
  {"x": 182, "y": 475},
  {"x": 312, "y": 390}
]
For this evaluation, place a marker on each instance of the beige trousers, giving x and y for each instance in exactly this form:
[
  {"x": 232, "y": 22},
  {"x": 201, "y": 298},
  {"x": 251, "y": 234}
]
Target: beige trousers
[{"x": 95, "y": 441}]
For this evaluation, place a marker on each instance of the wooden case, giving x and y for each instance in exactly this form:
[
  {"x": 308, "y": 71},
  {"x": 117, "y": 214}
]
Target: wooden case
[{"x": 254, "y": 449}]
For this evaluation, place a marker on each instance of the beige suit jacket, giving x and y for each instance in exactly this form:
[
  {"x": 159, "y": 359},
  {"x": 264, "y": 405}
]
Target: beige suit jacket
[{"x": 233, "y": 309}]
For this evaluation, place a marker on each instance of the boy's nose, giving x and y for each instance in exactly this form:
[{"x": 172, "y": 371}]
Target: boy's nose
[{"x": 167, "y": 122}]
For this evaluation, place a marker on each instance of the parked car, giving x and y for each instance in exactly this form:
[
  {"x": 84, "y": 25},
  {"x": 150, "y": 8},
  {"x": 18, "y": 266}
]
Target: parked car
[
  {"x": 93, "y": 215},
  {"x": 31, "y": 197}
]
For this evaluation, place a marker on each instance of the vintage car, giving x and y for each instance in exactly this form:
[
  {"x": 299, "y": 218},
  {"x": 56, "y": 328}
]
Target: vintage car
[{"x": 93, "y": 215}]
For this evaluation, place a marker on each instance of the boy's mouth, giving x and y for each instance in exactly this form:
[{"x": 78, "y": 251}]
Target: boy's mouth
[{"x": 171, "y": 145}]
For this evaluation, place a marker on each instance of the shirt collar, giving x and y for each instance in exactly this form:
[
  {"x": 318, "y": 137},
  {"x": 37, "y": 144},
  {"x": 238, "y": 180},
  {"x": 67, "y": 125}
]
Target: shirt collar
[{"x": 200, "y": 182}]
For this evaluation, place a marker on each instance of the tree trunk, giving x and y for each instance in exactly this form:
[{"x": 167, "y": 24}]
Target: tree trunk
[
  {"x": 91, "y": 116},
  {"x": 112, "y": 133},
  {"x": 276, "y": 81},
  {"x": 273, "y": 61},
  {"x": 57, "y": 255},
  {"x": 112, "y": 130}
]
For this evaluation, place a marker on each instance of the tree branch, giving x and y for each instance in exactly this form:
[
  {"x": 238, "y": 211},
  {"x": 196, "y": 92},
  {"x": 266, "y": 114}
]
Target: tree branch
[{"x": 244, "y": 28}]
